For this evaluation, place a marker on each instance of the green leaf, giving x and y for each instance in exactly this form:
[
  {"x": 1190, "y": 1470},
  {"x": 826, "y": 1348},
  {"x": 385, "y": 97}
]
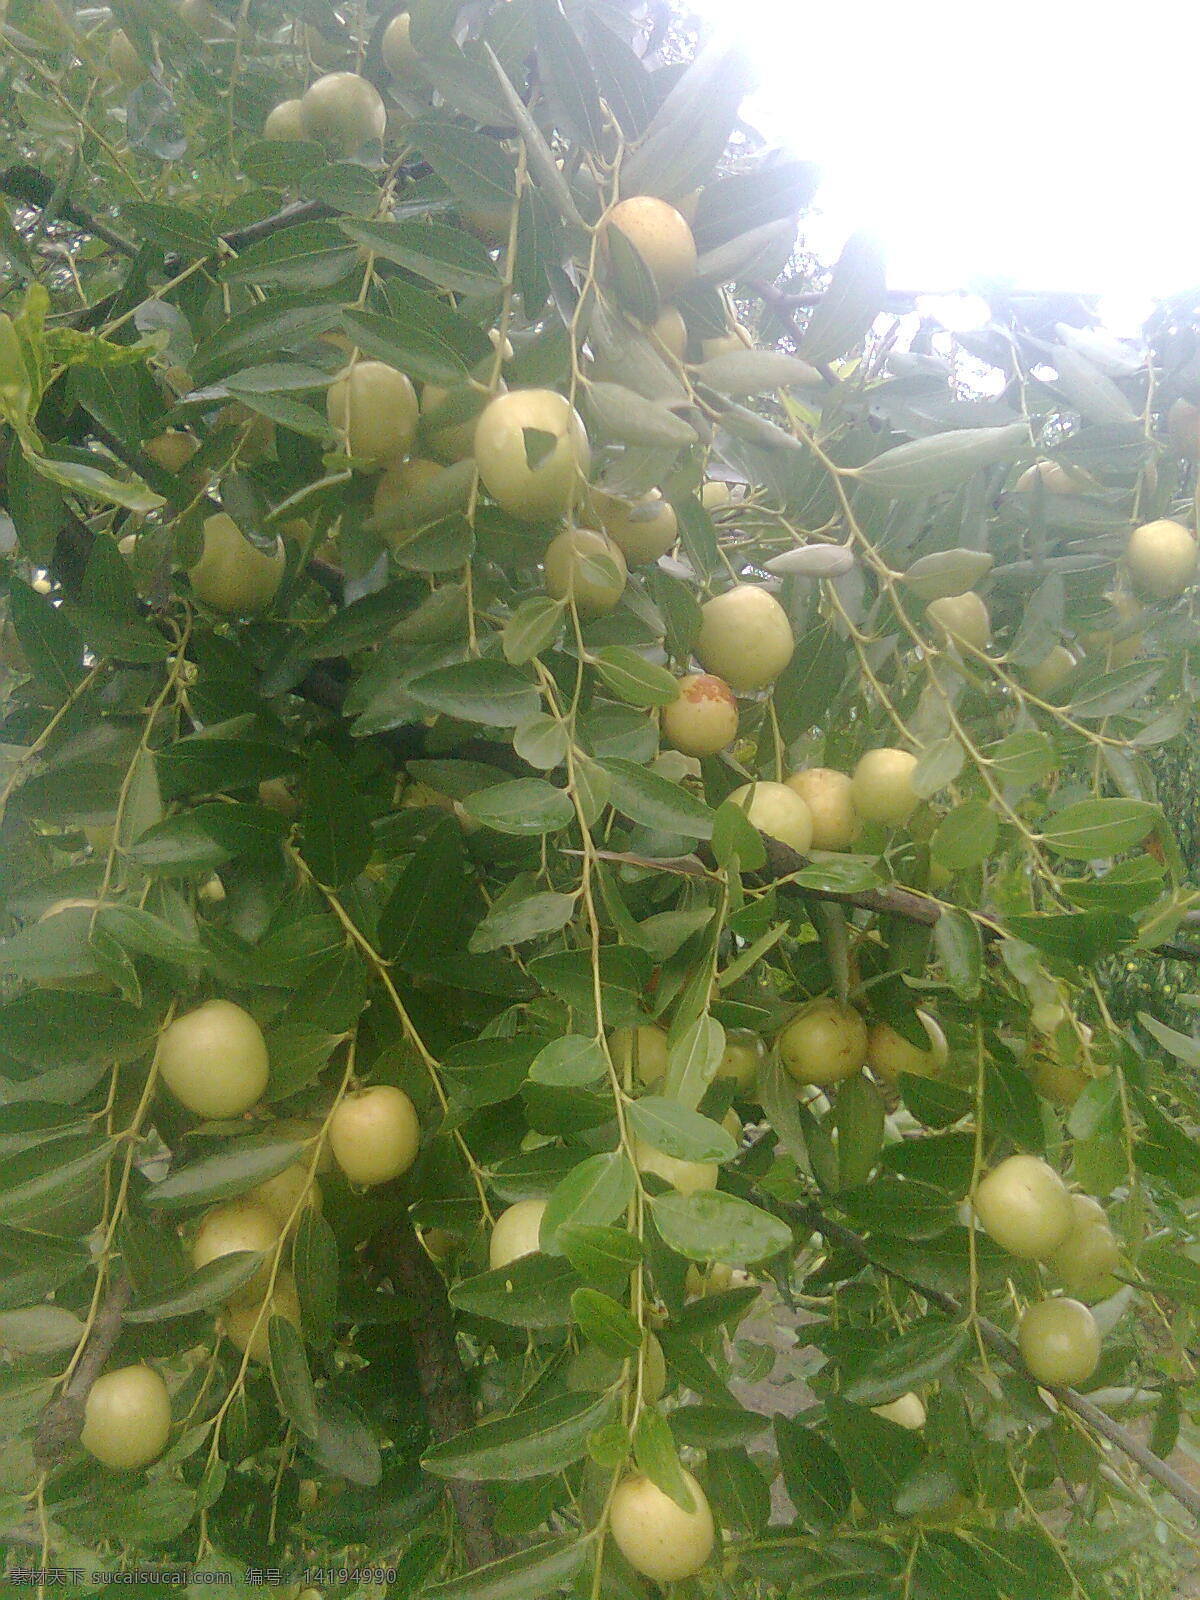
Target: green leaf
[
  {"x": 604, "y": 1256},
  {"x": 292, "y": 1379},
  {"x": 315, "y": 1268},
  {"x": 878, "y": 1456},
  {"x": 688, "y": 133},
  {"x": 1094, "y": 829},
  {"x": 569, "y": 1062},
  {"x": 655, "y": 802},
  {"x": 532, "y": 1292},
  {"x": 947, "y": 572},
  {"x": 237, "y": 1167},
  {"x": 51, "y": 643},
  {"x": 336, "y": 829},
  {"x": 656, "y": 1455},
  {"x": 713, "y": 1427},
  {"x": 210, "y": 1285},
  {"x": 532, "y": 628},
  {"x": 859, "y": 1117},
  {"x": 592, "y": 1194},
  {"x": 606, "y": 1323},
  {"x": 920, "y": 1355},
  {"x": 308, "y": 255},
  {"x": 518, "y": 921},
  {"x": 747, "y": 372},
  {"x": 1023, "y": 758},
  {"x": 36, "y": 1182},
  {"x": 527, "y": 1444},
  {"x": 680, "y": 1132},
  {"x": 423, "y": 337},
  {"x": 528, "y": 806},
  {"x": 422, "y": 913},
  {"x": 567, "y": 74},
  {"x": 177, "y": 847},
  {"x": 542, "y": 741},
  {"x": 620, "y": 413},
  {"x": 490, "y": 693},
  {"x": 344, "y": 1446},
  {"x": 941, "y": 461},
  {"x": 937, "y": 765},
  {"x": 850, "y": 304},
  {"x": 813, "y": 1473},
  {"x": 901, "y": 1207},
  {"x": 447, "y": 257},
  {"x": 965, "y": 836},
  {"x": 713, "y": 1226},
  {"x": 634, "y": 679},
  {"x": 473, "y": 166},
  {"x": 176, "y": 227},
  {"x": 140, "y": 932},
  {"x": 542, "y": 1569},
  {"x": 692, "y": 1061},
  {"x": 957, "y": 939}
]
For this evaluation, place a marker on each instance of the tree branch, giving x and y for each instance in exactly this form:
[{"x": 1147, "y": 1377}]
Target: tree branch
[
  {"x": 815, "y": 1220},
  {"x": 440, "y": 1376},
  {"x": 33, "y": 188},
  {"x": 62, "y": 1419}
]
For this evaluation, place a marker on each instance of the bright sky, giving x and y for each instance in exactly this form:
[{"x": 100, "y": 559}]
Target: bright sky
[{"x": 1050, "y": 145}]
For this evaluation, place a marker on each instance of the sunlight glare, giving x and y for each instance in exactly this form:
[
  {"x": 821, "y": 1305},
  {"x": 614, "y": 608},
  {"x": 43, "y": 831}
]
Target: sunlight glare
[{"x": 1034, "y": 146}]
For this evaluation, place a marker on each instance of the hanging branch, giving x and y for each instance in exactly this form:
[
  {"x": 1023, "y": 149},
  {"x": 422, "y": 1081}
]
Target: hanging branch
[
  {"x": 813, "y": 1219},
  {"x": 32, "y": 187},
  {"x": 62, "y": 1419}
]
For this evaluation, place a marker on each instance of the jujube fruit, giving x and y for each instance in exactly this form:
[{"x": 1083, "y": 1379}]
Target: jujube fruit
[
  {"x": 889, "y": 1053},
  {"x": 532, "y": 477},
  {"x": 126, "y": 1418},
  {"x": 343, "y": 112},
  {"x": 881, "y": 787},
  {"x": 658, "y": 1538},
  {"x": 643, "y": 1048},
  {"x": 374, "y": 1134},
  {"x": 661, "y": 238},
  {"x": 214, "y": 1059},
  {"x": 745, "y": 637},
  {"x": 685, "y": 1177},
  {"x": 906, "y": 1411},
  {"x": 396, "y": 47},
  {"x": 1059, "y": 1341},
  {"x": 704, "y": 719},
  {"x": 284, "y": 121},
  {"x": 241, "y": 1324},
  {"x": 1025, "y": 1207},
  {"x": 741, "y": 1059},
  {"x": 232, "y": 575},
  {"x": 645, "y": 528},
  {"x": 824, "y": 1042},
  {"x": 516, "y": 1232},
  {"x": 777, "y": 811},
  {"x": 829, "y": 797},
  {"x": 374, "y": 409},
  {"x": 1161, "y": 558},
  {"x": 962, "y": 618},
  {"x": 234, "y": 1226},
  {"x": 586, "y": 567}
]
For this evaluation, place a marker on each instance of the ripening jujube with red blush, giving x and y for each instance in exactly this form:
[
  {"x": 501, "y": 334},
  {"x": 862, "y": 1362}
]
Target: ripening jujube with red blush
[{"x": 704, "y": 719}]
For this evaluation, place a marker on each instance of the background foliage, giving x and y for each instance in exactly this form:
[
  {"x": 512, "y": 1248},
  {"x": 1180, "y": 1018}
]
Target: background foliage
[{"x": 415, "y": 818}]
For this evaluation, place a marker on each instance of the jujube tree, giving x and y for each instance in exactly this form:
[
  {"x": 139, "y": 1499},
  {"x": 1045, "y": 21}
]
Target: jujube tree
[{"x": 561, "y": 788}]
